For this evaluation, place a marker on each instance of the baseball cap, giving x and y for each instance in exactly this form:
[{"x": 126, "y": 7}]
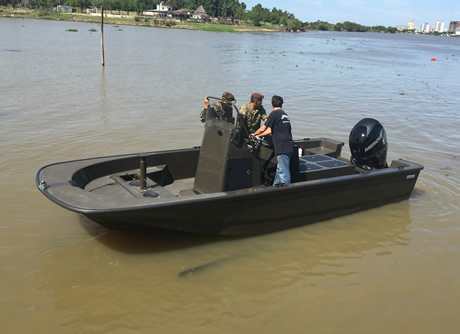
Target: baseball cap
[
  {"x": 257, "y": 96},
  {"x": 228, "y": 98}
]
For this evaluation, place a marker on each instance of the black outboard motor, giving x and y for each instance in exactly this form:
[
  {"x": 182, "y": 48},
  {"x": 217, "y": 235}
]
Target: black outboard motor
[{"x": 368, "y": 144}]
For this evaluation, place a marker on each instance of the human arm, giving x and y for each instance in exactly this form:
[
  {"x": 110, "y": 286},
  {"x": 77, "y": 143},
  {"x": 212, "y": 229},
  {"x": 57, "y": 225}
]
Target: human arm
[
  {"x": 267, "y": 131},
  {"x": 205, "y": 108},
  {"x": 203, "y": 116},
  {"x": 241, "y": 112},
  {"x": 263, "y": 131},
  {"x": 264, "y": 116}
]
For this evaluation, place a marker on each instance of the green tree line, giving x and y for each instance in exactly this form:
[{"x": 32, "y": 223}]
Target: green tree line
[
  {"x": 347, "y": 26},
  {"x": 215, "y": 8}
]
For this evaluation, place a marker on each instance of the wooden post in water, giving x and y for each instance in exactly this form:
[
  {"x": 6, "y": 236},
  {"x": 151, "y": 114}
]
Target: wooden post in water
[{"x": 102, "y": 35}]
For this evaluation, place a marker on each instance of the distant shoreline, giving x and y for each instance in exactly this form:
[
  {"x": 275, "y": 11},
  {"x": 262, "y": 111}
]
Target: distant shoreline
[{"x": 131, "y": 20}]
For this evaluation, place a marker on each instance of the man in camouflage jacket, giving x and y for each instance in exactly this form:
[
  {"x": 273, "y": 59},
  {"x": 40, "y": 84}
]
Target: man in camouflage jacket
[
  {"x": 253, "y": 112},
  {"x": 221, "y": 110}
]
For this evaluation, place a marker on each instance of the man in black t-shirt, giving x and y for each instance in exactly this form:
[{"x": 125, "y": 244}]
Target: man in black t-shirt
[{"x": 279, "y": 126}]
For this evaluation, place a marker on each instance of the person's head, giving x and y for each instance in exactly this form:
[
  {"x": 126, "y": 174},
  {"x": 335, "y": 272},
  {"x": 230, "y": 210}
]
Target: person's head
[
  {"x": 227, "y": 100},
  {"x": 257, "y": 98},
  {"x": 277, "y": 101}
]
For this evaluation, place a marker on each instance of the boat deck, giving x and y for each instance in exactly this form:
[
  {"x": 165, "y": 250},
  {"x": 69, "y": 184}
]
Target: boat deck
[
  {"x": 127, "y": 185},
  {"x": 120, "y": 187}
]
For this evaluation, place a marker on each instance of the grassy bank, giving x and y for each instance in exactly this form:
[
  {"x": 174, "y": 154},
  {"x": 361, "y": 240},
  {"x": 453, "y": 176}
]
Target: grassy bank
[{"x": 131, "y": 20}]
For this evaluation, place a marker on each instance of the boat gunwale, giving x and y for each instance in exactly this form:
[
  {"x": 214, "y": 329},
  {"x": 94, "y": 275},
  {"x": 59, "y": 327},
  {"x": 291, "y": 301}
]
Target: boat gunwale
[{"x": 256, "y": 193}]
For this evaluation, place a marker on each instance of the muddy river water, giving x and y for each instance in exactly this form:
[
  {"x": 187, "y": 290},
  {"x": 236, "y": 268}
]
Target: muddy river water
[{"x": 393, "y": 269}]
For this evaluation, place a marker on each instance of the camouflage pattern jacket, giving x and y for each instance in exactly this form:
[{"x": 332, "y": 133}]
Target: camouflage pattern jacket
[
  {"x": 217, "y": 113},
  {"x": 253, "y": 117}
]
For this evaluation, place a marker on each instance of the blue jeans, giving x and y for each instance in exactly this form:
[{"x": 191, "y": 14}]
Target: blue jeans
[{"x": 283, "y": 174}]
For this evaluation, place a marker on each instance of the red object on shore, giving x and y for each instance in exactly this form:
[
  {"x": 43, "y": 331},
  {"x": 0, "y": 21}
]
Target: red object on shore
[{"x": 433, "y": 58}]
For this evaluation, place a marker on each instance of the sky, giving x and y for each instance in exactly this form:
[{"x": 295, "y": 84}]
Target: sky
[{"x": 366, "y": 12}]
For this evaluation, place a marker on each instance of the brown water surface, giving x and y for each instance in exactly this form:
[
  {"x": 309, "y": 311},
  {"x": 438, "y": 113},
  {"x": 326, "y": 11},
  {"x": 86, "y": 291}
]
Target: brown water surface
[{"x": 392, "y": 269}]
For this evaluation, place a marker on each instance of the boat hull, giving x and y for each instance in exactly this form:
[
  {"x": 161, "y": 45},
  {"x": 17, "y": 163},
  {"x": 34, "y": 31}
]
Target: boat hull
[
  {"x": 256, "y": 210},
  {"x": 268, "y": 211}
]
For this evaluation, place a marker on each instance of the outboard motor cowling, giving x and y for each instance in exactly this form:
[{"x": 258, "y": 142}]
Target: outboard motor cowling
[{"x": 368, "y": 144}]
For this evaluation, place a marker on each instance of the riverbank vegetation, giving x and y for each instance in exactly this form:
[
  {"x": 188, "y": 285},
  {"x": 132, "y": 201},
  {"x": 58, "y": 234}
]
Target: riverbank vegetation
[
  {"x": 230, "y": 15},
  {"x": 133, "y": 19}
]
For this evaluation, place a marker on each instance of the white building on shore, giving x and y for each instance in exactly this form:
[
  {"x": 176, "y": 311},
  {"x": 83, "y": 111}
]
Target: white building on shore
[
  {"x": 425, "y": 28},
  {"x": 162, "y": 10},
  {"x": 410, "y": 25},
  {"x": 439, "y": 27}
]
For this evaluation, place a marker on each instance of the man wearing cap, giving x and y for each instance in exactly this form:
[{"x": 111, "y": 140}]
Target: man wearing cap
[
  {"x": 253, "y": 112},
  {"x": 221, "y": 110}
]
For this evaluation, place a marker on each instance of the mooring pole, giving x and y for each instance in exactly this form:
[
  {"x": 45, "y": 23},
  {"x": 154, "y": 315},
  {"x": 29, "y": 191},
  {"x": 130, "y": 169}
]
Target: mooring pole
[{"x": 102, "y": 35}]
